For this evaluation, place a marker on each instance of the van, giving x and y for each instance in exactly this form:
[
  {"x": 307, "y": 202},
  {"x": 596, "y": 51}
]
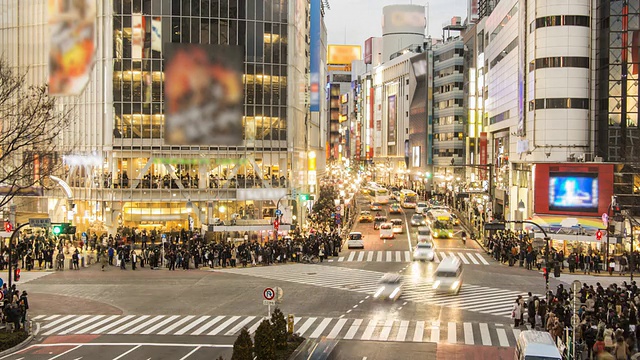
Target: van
[
  {"x": 386, "y": 231},
  {"x": 448, "y": 276},
  {"x": 424, "y": 234},
  {"x": 355, "y": 240},
  {"x": 533, "y": 344}
]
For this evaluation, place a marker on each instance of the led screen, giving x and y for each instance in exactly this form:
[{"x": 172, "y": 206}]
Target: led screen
[{"x": 573, "y": 192}]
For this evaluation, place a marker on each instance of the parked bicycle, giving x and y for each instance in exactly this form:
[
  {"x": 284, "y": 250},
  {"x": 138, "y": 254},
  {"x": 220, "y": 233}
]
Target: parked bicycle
[{"x": 310, "y": 259}]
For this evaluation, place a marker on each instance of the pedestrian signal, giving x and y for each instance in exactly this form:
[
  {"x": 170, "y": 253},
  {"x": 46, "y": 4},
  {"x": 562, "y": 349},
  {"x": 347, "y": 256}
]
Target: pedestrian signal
[
  {"x": 16, "y": 274},
  {"x": 7, "y": 226},
  {"x": 599, "y": 235}
]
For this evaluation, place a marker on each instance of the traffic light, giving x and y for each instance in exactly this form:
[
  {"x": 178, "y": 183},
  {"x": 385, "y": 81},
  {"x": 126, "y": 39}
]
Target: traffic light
[
  {"x": 545, "y": 273},
  {"x": 57, "y": 229},
  {"x": 304, "y": 197},
  {"x": 16, "y": 274},
  {"x": 428, "y": 175},
  {"x": 7, "y": 226},
  {"x": 599, "y": 235},
  {"x": 61, "y": 229}
]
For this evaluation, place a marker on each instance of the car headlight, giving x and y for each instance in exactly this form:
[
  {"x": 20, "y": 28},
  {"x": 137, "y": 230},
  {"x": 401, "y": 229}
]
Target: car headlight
[
  {"x": 450, "y": 234},
  {"x": 378, "y": 293},
  {"x": 436, "y": 284},
  {"x": 455, "y": 284},
  {"x": 395, "y": 292}
]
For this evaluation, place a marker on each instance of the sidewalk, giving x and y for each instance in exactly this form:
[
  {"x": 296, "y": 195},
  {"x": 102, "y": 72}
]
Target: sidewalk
[{"x": 464, "y": 223}]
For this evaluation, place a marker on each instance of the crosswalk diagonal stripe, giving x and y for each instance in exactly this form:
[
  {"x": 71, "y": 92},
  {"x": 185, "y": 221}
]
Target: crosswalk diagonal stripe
[
  {"x": 56, "y": 322},
  {"x": 463, "y": 258},
  {"x": 418, "y": 334},
  {"x": 468, "y": 333},
  {"x": 368, "y": 331},
  {"x": 191, "y": 325},
  {"x": 112, "y": 325},
  {"x": 370, "y": 256},
  {"x": 96, "y": 325},
  {"x": 484, "y": 334},
  {"x": 482, "y": 259},
  {"x": 361, "y": 256},
  {"x": 516, "y": 333},
  {"x": 38, "y": 317},
  {"x": 51, "y": 317},
  {"x": 351, "y": 256},
  {"x": 306, "y": 325},
  {"x": 144, "y": 325},
  {"x": 240, "y": 325},
  {"x": 379, "y": 256},
  {"x": 451, "y": 333},
  {"x": 402, "y": 331},
  {"x": 323, "y": 325},
  {"x": 407, "y": 255},
  {"x": 127, "y": 324},
  {"x": 66, "y": 324},
  {"x": 502, "y": 337},
  {"x": 473, "y": 259},
  {"x": 81, "y": 324},
  {"x": 336, "y": 329},
  {"x": 176, "y": 324},
  {"x": 435, "y": 331},
  {"x": 386, "y": 330},
  {"x": 224, "y": 325},
  {"x": 353, "y": 329},
  {"x": 206, "y": 326},
  {"x": 159, "y": 325}
]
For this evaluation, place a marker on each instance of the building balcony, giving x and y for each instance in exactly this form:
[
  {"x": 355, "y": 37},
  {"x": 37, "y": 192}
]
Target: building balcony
[{"x": 448, "y": 144}]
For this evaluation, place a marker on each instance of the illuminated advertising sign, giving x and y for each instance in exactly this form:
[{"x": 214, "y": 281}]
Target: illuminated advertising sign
[
  {"x": 392, "y": 115},
  {"x": 314, "y": 61},
  {"x": 343, "y": 54},
  {"x": 72, "y": 50},
  {"x": 203, "y": 94}
]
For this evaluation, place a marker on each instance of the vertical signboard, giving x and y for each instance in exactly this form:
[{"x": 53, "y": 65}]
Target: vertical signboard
[
  {"x": 392, "y": 115},
  {"x": 483, "y": 154},
  {"x": 522, "y": 36},
  {"x": 72, "y": 50},
  {"x": 371, "y": 121},
  {"x": 368, "y": 57},
  {"x": 137, "y": 36},
  {"x": 156, "y": 34},
  {"x": 314, "y": 61}
]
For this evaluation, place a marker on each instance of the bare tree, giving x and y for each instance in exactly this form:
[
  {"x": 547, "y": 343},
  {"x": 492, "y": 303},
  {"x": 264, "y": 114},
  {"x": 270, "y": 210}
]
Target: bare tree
[{"x": 31, "y": 128}]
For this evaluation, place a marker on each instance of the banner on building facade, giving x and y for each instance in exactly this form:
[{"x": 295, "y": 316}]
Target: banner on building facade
[
  {"x": 156, "y": 34},
  {"x": 392, "y": 115},
  {"x": 137, "y": 36},
  {"x": 72, "y": 46},
  {"x": 203, "y": 94},
  {"x": 484, "y": 158},
  {"x": 315, "y": 48}
]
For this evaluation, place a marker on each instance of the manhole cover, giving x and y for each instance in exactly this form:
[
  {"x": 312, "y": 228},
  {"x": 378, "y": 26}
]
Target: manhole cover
[
  {"x": 312, "y": 273},
  {"x": 351, "y": 287}
]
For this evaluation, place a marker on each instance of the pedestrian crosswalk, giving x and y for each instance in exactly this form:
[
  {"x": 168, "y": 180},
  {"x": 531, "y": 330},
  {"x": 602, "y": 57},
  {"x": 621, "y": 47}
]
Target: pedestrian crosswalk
[
  {"x": 474, "y": 298},
  {"x": 436, "y": 331},
  {"x": 467, "y": 257}
]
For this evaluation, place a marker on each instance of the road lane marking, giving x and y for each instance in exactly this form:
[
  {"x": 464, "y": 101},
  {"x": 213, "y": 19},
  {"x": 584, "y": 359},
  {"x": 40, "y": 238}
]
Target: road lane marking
[
  {"x": 112, "y": 325},
  {"x": 353, "y": 329},
  {"x": 368, "y": 331},
  {"x": 386, "y": 330},
  {"x": 388, "y": 256},
  {"x": 66, "y": 324},
  {"x": 175, "y": 325},
  {"x": 484, "y": 333},
  {"x": 402, "y": 332},
  {"x": 127, "y": 352},
  {"x": 370, "y": 256},
  {"x": 473, "y": 259},
  {"x": 99, "y": 323},
  {"x": 159, "y": 325},
  {"x": 37, "y": 318},
  {"x": 361, "y": 256},
  {"x": 341, "y": 259},
  {"x": 443, "y": 255},
  {"x": 516, "y": 333},
  {"x": 143, "y": 325},
  {"x": 224, "y": 325},
  {"x": 463, "y": 258},
  {"x": 398, "y": 256},
  {"x": 419, "y": 332},
  {"x": 82, "y": 324},
  {"x": 52, "y": 317},
  {"x": 64, "y": 353},
  {"x": 451, "y": 337},
  {"x": 435, "y": 257},
  {"x": 435, "y": 331},
  {"x": 127, "y": 324},
  {"x": 351, "y": 256},
  {"x": 239, "y": 326},
  {"x": 306, "y": 325},
  {"x": 204, "y": 327},
  {"x": 482, "y": 259},
  {"x": 323, "y": 325},
  {"x": 468, "y": 333},
  {"x": 190, "y": 353},
  {"x": 192, "y": 325},
  {"x": 336, "y": 329},
  {"x": 502, "y": 337},
  {"x": 379, "y": 256}
]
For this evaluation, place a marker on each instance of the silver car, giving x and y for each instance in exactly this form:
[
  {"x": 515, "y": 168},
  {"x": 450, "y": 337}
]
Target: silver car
[{"x": 390, "y": 287}]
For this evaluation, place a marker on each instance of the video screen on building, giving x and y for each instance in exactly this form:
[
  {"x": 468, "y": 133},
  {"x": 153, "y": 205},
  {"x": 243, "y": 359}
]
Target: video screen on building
[{"x": 573, "y": 192}]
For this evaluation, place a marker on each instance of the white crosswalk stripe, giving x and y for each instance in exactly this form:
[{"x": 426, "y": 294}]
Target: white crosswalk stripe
[
  {"x": 467, "y": 257},
  {"x": 389, "y": 329},
  {"x": 475, "y": 298}
]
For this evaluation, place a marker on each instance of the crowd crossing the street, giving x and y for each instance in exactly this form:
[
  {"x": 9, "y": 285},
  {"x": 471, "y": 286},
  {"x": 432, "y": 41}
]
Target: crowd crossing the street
[{"x": 608, "y": 318}]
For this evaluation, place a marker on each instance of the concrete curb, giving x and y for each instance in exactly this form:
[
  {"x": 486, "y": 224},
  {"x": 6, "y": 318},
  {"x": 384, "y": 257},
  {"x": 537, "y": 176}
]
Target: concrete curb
[{"x": 22, "y": 345}]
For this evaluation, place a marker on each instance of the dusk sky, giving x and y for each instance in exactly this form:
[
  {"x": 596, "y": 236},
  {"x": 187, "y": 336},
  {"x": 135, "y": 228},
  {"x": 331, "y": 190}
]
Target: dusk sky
[{"x": 353, "y": 21}]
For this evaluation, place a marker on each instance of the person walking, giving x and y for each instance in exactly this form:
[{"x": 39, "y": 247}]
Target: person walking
[
  {"x": 134, "y": 259},
  {"x": 516, "y": 313},
  {"x": 110, "y": 253},
  {"x": 123, "y": 260},
  {"x": 104, "y": 261}
]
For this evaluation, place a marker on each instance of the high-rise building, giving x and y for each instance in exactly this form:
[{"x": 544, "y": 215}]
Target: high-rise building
[{"x": 120, "y": 167}]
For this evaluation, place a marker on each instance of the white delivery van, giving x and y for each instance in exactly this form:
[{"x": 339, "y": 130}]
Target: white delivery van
[
  {"x": 386, "y": 231},
  {"x": 534, "y": 345},
  {"x": 448, "y": 277}
]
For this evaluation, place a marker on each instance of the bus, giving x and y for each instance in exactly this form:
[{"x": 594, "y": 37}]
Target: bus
[
  {"x": 442, "y": 229},
  {"x": 408, "y": 199}
]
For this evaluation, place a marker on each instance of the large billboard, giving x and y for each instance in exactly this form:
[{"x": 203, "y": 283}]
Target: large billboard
[
  {"x": 343, "y": 54},
  {"x": 203, "y": 94},
  {"x": 315, "y": 49},
  {"x": 392, "y": 115},
  {"x": 573, "y": 189},
  {"x": 72, "y": 46}
]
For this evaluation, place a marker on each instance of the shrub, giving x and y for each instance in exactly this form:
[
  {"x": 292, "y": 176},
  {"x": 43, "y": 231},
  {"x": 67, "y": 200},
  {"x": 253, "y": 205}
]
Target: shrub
[
  {"x": 279, "y": 325},
  {"x": 265, "y": 347},
  {"x": 243, "y": 346}
]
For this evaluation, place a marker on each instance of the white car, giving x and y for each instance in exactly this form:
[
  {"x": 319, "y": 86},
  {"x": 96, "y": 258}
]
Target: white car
[
  {"x": 398, "y": 227},
  {"x": 448, "y": 276},
  {"x": 386, "y": 231},
  {"x": 421, "y": 207},
  {"x": 390, "y": 287},
  {"x": 355, "y": 240},
  {"x": 424, "y": 251},
  {"x": 424, "y": 234}
]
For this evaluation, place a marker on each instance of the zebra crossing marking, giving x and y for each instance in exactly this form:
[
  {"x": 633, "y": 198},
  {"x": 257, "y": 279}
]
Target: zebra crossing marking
[
  {"x": 469, "y": 258},
  {"x": 85, "y": 330},
  {"x": 389, "y": 329}
]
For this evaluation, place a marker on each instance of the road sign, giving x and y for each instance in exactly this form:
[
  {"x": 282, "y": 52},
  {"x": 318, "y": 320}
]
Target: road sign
[
  {"x": 40, "y": 222},
  {"x": 338, "y": 208},
  {"x": 279, "y": 293},
  {"x": 278, "y": 212},
  {"x": 1, "y": 296},
  {"x": 268, "y": 302},
  {"x": 269, "y": 294}
]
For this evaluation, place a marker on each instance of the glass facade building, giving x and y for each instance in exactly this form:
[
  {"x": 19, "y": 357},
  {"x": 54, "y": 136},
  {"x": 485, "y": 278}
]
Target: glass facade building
[{"x": 116, "y": 160}]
